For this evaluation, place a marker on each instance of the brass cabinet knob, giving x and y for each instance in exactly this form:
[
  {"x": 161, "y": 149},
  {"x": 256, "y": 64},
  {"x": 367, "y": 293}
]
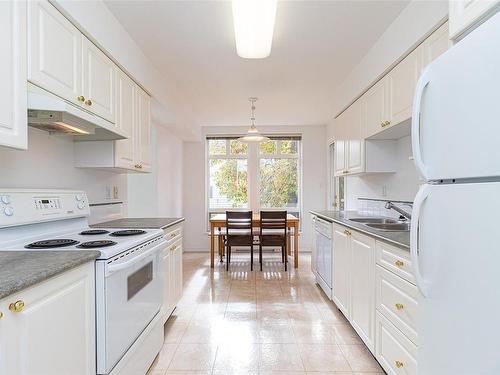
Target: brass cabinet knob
[
  {"x": 81, "y": 98},
  {"x": 1, "y": 315},
  {"x": 385, "y": 123},
  {"x": 173, "y": 235},
  {"x": 382, "y": 124},
  {"x": 347, "y": 232},
  {"x": 399, "y": 263},
  {"x": 138, "y": 166},
  {"x": 399, "y": 306},
  {"x": 88, "y": 102},
  {"x": 173, "y": 248},
  {"x": 17, "y": 306},
  {"x": 399, "y": 364}
]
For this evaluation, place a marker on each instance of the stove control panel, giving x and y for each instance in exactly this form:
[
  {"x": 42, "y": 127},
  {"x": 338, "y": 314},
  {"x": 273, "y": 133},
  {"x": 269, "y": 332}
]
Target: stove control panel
[{"x": 26, "y": 206}]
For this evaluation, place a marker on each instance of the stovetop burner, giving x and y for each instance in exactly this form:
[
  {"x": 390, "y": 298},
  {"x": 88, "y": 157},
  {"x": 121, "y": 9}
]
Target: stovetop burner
[
  {"x": 128, "y": 232},
  {"x": 92, "y": 232},
  {"x": 94, "y": 244},
  {"x": 49, "y": 244}
]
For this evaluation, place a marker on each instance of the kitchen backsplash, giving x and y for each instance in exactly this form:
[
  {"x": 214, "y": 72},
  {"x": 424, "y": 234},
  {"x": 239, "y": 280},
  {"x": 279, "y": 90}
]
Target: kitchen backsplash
[{"x": 376, "y": 207}]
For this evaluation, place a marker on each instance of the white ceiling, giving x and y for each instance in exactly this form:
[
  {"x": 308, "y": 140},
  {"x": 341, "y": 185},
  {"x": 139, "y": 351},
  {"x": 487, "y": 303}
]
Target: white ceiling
[{"x": 315, "y": 45}]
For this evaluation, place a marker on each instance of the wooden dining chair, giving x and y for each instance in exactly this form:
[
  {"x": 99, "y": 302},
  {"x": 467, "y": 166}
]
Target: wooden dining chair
[
  {"x": 238, "y": 233},
  {"x": 273, "y": 227}
]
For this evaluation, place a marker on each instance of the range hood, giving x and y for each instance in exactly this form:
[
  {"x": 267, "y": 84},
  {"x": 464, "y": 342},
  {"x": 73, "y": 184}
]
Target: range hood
[{"x": 51, "y": 113}]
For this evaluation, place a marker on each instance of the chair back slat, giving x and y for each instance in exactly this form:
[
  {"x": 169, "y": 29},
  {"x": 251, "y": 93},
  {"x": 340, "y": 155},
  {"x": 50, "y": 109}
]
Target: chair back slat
[
  {"x": 273, "y": 222},
  {"x": 239, "y": 222}
]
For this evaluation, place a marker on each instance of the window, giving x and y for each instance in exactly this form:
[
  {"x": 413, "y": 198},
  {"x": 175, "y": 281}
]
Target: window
[{"x": 254, "y": 176}]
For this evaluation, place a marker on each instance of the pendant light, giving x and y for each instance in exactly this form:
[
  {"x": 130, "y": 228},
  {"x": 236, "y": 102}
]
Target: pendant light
[{"x": 253, "y": 135}]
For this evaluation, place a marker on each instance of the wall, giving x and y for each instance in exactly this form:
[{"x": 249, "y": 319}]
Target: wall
[
  {"x": 313, "y": 179},
  {"x": 159, "y": 193},
  {"x": 402, "y": 185},
  {"x": 49, "y": 163}
]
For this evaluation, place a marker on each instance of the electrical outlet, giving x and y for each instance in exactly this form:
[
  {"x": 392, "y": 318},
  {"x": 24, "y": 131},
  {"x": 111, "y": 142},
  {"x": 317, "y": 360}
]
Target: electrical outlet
[{"x": 115, "y": 192}]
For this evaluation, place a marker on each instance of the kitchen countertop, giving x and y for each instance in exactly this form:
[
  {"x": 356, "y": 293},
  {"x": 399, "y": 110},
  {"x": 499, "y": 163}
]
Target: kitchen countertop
[
  {"x": 400, "y": 239},
  {"x": 141, "y": 223},
  {"x": 21, "y": 269}
]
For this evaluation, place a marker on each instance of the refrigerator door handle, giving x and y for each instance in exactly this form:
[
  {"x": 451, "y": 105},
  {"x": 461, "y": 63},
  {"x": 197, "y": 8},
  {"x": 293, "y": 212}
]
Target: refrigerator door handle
[
  {"x": 420, "y": 198},
  {"x": 422, "y": 83}
]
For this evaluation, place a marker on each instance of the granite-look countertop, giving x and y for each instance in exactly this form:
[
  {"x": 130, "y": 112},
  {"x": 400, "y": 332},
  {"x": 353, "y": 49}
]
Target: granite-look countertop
[
  {"x": 400, "y": 239},
  {"x": 141, "y": 223},
  {"x": 21, "y": 269}
]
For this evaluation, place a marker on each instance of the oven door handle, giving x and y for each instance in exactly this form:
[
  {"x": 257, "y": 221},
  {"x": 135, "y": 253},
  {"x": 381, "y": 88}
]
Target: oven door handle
[{"x": 112, "y": 268}]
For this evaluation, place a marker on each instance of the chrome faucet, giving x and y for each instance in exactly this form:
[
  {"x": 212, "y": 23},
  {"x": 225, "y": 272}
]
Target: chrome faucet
[{"x": 406, "y": 215}]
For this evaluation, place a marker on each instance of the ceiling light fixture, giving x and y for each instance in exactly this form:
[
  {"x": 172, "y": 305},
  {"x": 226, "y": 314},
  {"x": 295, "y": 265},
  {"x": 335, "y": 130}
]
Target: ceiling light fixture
[
  {"x": 253, "y": 134},
  {"x": 254, "y": 27}
]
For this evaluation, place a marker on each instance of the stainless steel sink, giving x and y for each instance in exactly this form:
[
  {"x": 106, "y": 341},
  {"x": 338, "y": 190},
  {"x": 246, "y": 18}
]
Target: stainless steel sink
[
  {"x": 391, "y": 227},
  {"x": 374, "y": 220}
]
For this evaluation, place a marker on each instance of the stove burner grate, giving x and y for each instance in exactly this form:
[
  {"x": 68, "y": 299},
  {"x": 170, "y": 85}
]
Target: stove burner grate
[
  {"x": 127, "y": 232},
  {"x": 49, "y": 244},
  {"x": 92, "y": 232},
  {"x": 94, "y": 244}
]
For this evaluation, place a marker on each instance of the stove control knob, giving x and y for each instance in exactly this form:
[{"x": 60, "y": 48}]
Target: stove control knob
[
  {"x": 78, "y": 197},
  {"x": 5, "y": 199},
  {"x": 9, "y": 211},
  {"x": 81, "y": 205}
]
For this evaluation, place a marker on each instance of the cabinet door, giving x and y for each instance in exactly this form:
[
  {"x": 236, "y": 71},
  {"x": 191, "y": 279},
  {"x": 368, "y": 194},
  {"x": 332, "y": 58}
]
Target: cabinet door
[
  {"x": 363, "y": 287},
  {"x": 55, "y": 332},
  {"x": 167, "y": 287},
  {"x": 314, "y": 252},
  {"x": 356, "y": 156},
  {"x": 143, "y": 130},
  {"x": 436, "y": 44},
  {"x": 340, "y": 157},
  {"x": 98, "y": 81},
  {"x": 54, "y": 51},
  {"x": 402, "y": 81},
  {"x": 376, "y": 104},
  {"x": 125, "y": 120},
  {"x": 465, "y": 14},
  {"x": 178, "y": 273},
  {"x": 13, "y": 118},
  {"x": 341, "y": 268}
]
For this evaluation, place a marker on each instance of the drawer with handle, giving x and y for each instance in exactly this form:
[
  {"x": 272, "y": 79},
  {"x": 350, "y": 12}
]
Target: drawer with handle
[
  {"x": 173, "y": 234},
  {"x": 395, "y": 353},
  {"x": 397, "y": 300},
  {"x": 395, "y": 259}
]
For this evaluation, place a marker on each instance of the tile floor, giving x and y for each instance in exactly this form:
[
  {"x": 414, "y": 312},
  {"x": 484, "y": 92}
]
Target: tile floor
[{"x": 242, "y": 322}]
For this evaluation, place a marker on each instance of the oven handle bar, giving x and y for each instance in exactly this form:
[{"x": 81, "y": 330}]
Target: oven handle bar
[{"x": 112, "y": 268}]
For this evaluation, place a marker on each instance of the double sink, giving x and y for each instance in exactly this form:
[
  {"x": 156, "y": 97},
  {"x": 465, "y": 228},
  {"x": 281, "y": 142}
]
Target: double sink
[{"x": 383, "y": 223}]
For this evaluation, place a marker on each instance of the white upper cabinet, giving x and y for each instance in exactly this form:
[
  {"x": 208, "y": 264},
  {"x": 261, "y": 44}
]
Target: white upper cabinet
[
  {"x": 13, "y": 99},
  {"x": 143, "y": 130},
  {"x": 436, "y": 44},
  {"x": 125, "y": 119},
  {"x": 465, "y": 15},
  {"x": 376, "y": 102},
  {"x": 402, "y": 80},
  {"x": 98, "y": 81},
  {"x": 341, "y": 148},
  {"x": 356, "y": 156},
  {"x": 54, "y": 52}
]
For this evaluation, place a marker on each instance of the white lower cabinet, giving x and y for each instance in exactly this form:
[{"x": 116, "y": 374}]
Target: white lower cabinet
[
  {"x": 341, "y": 269},
  {"x": 172, "y": 266},
  {"x": 373, "y": 287},
  {"x": 362, "y": 287},
  {"x": 13, "y": 92},
  {"x": 353, "y": 280},
  {"x": 395, "y": 353},
  {"x": 49, "y": 328}
]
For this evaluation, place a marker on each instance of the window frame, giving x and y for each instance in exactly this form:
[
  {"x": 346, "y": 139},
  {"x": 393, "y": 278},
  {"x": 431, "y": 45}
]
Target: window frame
[{"x": 253, "y": 158}]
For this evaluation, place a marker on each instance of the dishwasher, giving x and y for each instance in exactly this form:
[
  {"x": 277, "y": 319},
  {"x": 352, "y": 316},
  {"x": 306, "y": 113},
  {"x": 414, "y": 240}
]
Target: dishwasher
[{"x": 324, "y": 248}]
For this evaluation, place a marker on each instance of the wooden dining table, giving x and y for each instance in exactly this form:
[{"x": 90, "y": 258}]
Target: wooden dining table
[{"x": 217, "y": 222}]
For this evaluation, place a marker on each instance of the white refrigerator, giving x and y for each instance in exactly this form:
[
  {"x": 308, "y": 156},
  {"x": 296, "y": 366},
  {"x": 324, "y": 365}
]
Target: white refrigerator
[{"x": 455, "y": 234}]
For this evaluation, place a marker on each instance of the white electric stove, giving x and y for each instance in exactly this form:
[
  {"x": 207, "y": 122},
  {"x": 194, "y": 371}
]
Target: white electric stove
[{"x": 129, "y": 278}]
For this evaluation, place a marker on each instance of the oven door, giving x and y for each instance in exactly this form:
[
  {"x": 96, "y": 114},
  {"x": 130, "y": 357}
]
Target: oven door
[{"x": 131, "y": 297}]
